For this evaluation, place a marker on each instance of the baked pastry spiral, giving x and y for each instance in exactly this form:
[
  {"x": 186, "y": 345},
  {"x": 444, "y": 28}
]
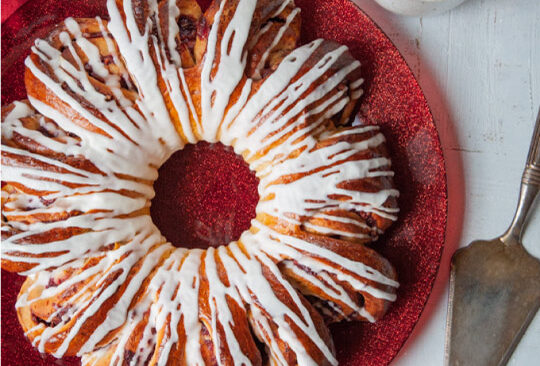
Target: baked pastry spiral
[{"x": 108, "y": 103}]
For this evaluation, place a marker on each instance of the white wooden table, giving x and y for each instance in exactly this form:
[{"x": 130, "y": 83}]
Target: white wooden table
[{"x": 479, "y": 66}]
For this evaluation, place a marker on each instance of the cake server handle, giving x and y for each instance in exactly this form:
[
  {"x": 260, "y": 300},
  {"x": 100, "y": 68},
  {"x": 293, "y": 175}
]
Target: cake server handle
[{"x": 530, "y": 186}]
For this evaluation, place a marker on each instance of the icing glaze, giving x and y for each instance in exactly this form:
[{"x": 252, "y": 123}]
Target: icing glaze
[{"x": 118, "y": 274}]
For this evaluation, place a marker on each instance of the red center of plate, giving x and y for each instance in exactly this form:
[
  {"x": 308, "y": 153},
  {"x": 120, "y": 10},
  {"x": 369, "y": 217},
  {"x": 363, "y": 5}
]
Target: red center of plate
[{"x": 205, "y": 196}]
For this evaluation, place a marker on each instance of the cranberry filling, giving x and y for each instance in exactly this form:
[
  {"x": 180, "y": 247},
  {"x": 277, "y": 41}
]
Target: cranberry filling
[{"x": 205, "y": 196}]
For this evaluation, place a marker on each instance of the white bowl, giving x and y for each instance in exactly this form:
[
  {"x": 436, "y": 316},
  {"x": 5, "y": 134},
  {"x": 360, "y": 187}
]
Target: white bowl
[{"x": 419, "y": 7}]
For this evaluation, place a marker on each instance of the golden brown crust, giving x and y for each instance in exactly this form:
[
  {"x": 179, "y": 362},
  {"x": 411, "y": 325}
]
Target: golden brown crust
[
  {"x": 377, "y": 307},
  {"x": 360, "y": 226},
  {"x": 38, "y": 308},
  {"x": 187, "y": 20}
]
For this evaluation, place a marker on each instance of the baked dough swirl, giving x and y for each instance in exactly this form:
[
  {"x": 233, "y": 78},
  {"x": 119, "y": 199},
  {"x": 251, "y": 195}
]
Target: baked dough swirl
[{"x": 108, "y": 103}]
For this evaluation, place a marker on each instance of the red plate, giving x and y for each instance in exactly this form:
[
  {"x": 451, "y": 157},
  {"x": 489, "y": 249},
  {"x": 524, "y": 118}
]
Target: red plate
[{"x": 393, "y": 99}]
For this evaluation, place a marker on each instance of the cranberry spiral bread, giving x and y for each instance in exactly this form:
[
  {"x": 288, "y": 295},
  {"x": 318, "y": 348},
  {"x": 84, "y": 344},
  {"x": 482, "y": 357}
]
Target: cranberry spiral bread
[{"x": 108, "y": 103}]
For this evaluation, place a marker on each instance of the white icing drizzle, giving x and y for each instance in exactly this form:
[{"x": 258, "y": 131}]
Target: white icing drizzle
[
  {"x": 304, "y": 196},
  {"x": 229, "y": 58},
  {"x": 135, "y": 50},
  {"x": 120, "y": 274}
]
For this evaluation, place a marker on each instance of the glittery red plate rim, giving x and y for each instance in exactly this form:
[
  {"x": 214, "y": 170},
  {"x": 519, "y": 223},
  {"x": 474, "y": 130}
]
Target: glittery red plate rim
[{"x": 393, "y": 99}]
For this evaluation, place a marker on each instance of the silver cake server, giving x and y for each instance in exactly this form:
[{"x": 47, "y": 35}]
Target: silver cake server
[{"x": 495, "y": 285}]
